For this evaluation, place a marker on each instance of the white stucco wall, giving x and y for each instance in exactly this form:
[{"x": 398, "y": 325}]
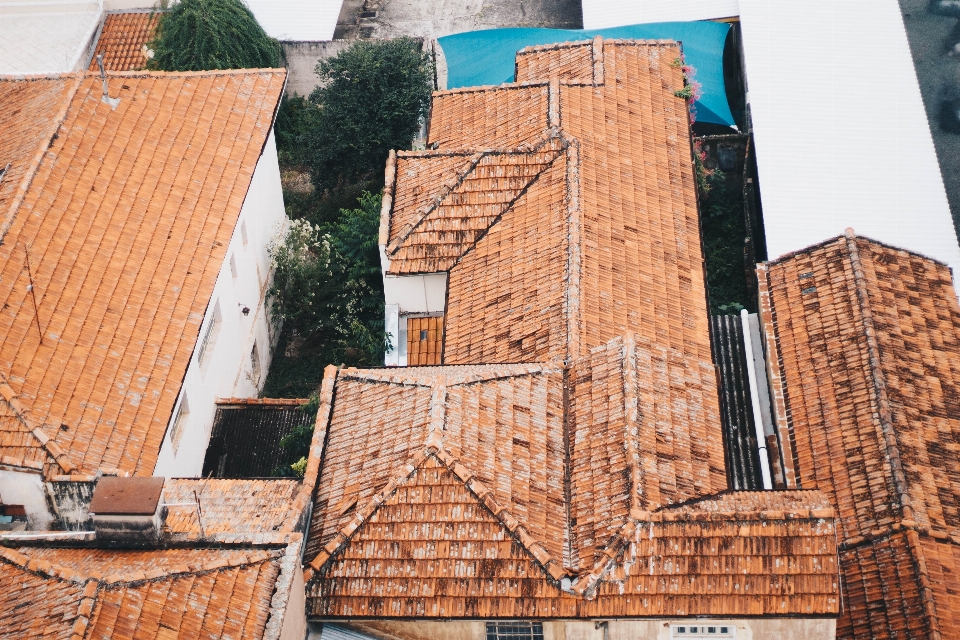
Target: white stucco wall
[
  {"x": 26, "y": 488},
  {"x": 226, "y": 369},
  {"x": 404, "y": 295},
  {"x": 647, "y": 629}
]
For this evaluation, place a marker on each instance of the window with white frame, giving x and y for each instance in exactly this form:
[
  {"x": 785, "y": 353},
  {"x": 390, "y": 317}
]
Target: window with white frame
[
  {"x": 700, "y": 630},
  {"x": 179, "y": 424},
  {"x": 210, "y": 335}
]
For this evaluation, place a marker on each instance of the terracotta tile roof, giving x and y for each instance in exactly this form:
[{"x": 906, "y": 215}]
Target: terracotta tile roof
[
  {"x": 477, "y": 452},
  {"x": 589, "y": 481},
  {"x": 231, "y": 509},
  {"x": 644, "y": 433},
  {"x": 868, "y": 342},
  {"x": 123, "y": 38},
  {"x": 163, "y": 594},
  {"x": 109, "y": 367},
  {"x": 865, "y": 342},
  {"x": 33, "y": 109},
  {"x": 614, "y": 212}
]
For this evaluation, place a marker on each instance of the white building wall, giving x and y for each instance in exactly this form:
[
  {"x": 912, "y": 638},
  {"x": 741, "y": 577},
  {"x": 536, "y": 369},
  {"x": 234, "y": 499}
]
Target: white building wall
[
  {"x": 26, "y": 488},
  {"x": 404, "y": 295},
  {"x": 226, "y": 369},
  {"x": 841, "y": 135},
  {"x": 600, "y": 14}
]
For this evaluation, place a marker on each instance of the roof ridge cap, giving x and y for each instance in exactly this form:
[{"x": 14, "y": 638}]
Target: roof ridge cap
[
  {"x": 487, "y": 498},
  {"x": 363, "y": 513},
  {"x": 34, "y": 165},
  {"x": 43, "y": 567},
  {"x": 12, "y": 398},
  {"x": 884, "y": 408},
  {"x": 121, "y": 579}
]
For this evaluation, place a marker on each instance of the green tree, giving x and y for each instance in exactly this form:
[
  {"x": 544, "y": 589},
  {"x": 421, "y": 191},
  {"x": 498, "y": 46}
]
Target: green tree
[
  {"x": 199, "y": 35},
  {"x": 371, "y": 99},
  {"x": 327, "y": 290}
]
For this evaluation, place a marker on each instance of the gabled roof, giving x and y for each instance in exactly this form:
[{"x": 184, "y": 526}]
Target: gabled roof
[
  {"x": 563, "y": 208},
  {"x": 92, "y": 342},
  {"x": 123, "y": 38},
  {"x": 474, "y": 455},
  {"x": 864, "y": 343},
  {"x": 868, "y": 338},
  {"x": 162, "y": 594}
]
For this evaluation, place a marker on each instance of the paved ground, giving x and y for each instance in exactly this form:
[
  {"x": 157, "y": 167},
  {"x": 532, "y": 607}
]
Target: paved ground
[
  {"x": 932, "y": 38},
  {"x": 435, "y": 18}
]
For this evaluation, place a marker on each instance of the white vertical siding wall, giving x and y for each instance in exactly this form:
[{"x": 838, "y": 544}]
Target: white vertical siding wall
[
  {"x": 227, "y": 370},
  {"x": 841, "y": 134},
  {"x": 297, "y": 19}
]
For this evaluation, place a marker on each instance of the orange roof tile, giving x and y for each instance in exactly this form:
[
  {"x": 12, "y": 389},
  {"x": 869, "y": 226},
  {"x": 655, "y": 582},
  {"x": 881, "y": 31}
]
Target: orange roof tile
[
  {"x": 163, "y": 594},
  {"x": 588, "y": 481},
  {"x": 33, "y": 109},
  {"x": 232, "y": 510},
  {"x": 866, "y": 357},
  {"x": 411, "y": 451},
  {"x": 123, "y": 38},
  {"x": 583, "y": 175},
  {"x": 869, "y": 340},
  {"x": 178, "y": 153}
]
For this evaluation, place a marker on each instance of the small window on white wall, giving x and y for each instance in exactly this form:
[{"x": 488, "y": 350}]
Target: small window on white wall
[
  {"x": 243, "y": 232},
  {"x": 183, "y": 414},
  {"x": 210, "y": 337},
  {"x": 233, "y": 266},
  {"x": 255, "y": 363}
]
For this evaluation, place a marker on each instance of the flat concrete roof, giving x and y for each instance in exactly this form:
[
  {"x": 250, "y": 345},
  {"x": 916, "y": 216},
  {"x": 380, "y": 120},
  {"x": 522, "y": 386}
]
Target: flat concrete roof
[{"x": 41, "y": 38}]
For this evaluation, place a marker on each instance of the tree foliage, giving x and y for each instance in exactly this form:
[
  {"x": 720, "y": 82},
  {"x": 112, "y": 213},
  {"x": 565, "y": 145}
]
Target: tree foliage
[
  {"x": 199, "y": 35},
  {"x": 371, "y": 99},
  {"x": 327, "y": 286}
]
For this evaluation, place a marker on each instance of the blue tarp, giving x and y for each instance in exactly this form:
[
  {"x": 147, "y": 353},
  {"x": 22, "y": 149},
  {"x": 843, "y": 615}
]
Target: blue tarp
[{"x": 487, "y": 57}]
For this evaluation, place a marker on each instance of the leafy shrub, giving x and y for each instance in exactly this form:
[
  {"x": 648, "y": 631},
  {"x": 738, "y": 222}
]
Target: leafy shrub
[
  {"x": 371, "y": 99},
  {"x": 199, "y": 35}
]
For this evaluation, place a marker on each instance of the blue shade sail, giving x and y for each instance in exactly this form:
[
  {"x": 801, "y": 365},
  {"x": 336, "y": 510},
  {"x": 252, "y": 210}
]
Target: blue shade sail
[{"x": 479, "y": 58}]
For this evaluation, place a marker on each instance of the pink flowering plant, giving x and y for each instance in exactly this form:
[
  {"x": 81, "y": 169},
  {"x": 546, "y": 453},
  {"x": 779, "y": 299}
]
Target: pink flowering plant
[{"x": 691, "y": 92}]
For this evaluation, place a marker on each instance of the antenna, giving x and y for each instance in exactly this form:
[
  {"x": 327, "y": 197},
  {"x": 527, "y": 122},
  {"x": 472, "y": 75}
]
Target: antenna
[
  {"x": 203, "y": 533},
  {"x": 113, "y": 102}
]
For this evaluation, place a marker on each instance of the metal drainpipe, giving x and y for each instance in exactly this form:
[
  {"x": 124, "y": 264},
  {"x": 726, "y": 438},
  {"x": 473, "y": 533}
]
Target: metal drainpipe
[{"x": 605, "y": 625}]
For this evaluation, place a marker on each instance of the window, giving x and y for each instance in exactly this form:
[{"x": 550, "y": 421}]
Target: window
[
  {"x": 710, "y": 630},
  {"x": 255, "y": 363},
  {"x": 233, "y": 266},
  {"x": 210, "y": 337},
  {"x": 243, "y": 232},
  {"x": 183, "y": 414},
  {"x": 514, "y": 631}
]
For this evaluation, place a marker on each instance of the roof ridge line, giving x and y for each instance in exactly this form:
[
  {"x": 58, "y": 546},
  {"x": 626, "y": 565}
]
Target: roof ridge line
[
  {"x": 12, "y": 398},
  {"x": 508, "y": 207},
  {"x": 445, "y": 190},
  {"x": 363, "y": 513},
  {"x": 486, "y": 497},
  {"x": 632, "y": 419},
  {"x": 926, "y": 589},
  {"x": 450, "y": 185},
  {"x": 33, "y": 166},
  {"x": 884, "y": 409},
  {"x": 571, "y": 299},
  {"x": 85, "y": 607}
]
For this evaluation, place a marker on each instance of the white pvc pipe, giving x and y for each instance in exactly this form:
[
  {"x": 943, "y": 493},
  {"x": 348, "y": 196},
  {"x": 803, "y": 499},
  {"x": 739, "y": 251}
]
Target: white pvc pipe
[
  {"x": 51, "y": 534},
  {"x": 755, "y": 401}
]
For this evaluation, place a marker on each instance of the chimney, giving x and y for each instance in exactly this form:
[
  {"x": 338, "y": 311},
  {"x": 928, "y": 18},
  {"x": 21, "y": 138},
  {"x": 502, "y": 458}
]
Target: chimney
[{"x": 128, "y": 510}]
